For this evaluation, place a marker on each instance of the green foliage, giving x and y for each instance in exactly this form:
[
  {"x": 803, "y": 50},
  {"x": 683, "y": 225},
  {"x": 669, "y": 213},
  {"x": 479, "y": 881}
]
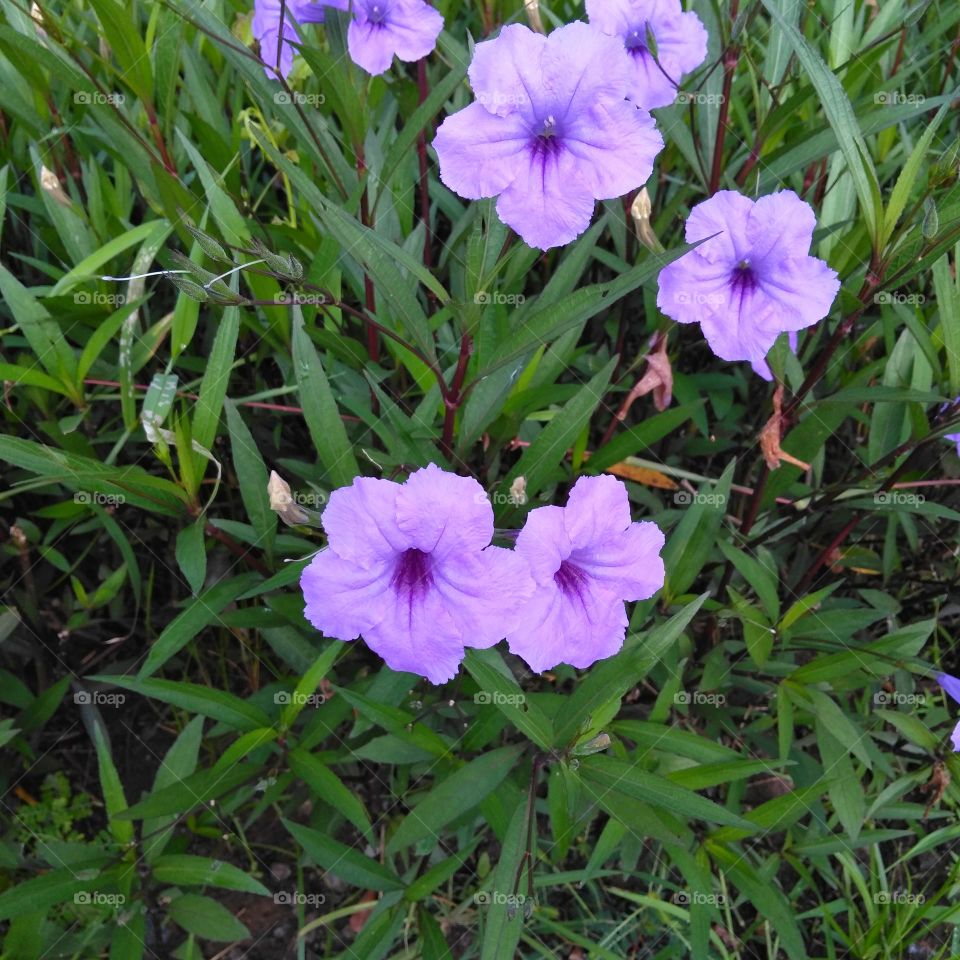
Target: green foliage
[{"x": 762, "y": 771}]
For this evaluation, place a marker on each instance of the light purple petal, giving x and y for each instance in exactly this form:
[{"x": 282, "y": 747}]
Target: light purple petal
[
  {"x": 955, "y": 738},
  {"x": 557, "y": 628},
  {"x": 688, "y": 286},
  {"x": 342, "y": 598},
  {"x": 547, "y": 203},
  {"x": 371, "y": 46},
  {"x": 544, "y": 543},
  {"x": 582, "y": 68},
  {"x": 309, "y": 11},
  {"x": 616, "y": 144},
  {"x": 268, "y": 41},
  {"x": 597, "y": 508},
  {"x": 780, "y": 225},
  {"x": 650, "y": 86},
  {"x": 504, "y": 71},
  {"x": 484, "y": 593},
  {"x": 804, "y": 287},
  {"x": 950, "y": 684},
  {"x": 440, "y": 512},
  {"x": 479, "y": 152},
  {"x": 726, "y": 213},
  {"x": 627, "y": 563},
  {"x": 744, "y": 325},
  {"x": 361, "y": 521},
  {"x": 417, "y": 636}
]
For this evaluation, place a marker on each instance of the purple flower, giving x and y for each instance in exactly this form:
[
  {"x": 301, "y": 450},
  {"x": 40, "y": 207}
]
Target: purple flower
[
  {"x": 952, "y": 687},
  {"x": 680, "y": 41},
  {"x": 954, "y": 437},
  {"x": 408, "y": 566},
  {"x": 754, "y": 279},
  {"x": 266, "y": 29},
  {"x": 550, "y": 132},
  {"x": 381, "y": 28},
  {"x": 587, "y": 558}
]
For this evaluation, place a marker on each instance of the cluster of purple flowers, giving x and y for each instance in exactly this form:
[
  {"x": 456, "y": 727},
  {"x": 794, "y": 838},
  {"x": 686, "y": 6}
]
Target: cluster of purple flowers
[
  {"x": 561, "y": 121},
  {"x": 378, "y": 30},
  {"x": 410, "y": 568}
]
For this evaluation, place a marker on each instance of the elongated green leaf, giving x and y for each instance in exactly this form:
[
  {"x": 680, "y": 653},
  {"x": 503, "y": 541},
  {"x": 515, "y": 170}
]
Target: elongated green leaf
[
  {"x": 40, "y": 893},
  {"x": 344, "y": 861},
  {"x": 43, "y": 333},
  {"x": 185, "y": 794},
  {"x": 206, "y": 918},
  {"x": 130, "y": 485},
  {"x": 217, "y": 704},
  {"x": 497, "y": 687},
  {"x": 320, "y": 408},
  {"x": 331, "y": 789},
  {"x": 252, "y": 475},
  {"x": 453, "y": 797},
  {"x": 631, "y": 779},
  {"x": 199, "y": 613},
  {"x": 843, "y": 120},
  {"x": 182, "y": 869}
]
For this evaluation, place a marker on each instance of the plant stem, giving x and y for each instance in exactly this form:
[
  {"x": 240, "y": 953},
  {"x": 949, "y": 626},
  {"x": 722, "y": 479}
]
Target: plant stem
[{"x": 453, "y": 397}]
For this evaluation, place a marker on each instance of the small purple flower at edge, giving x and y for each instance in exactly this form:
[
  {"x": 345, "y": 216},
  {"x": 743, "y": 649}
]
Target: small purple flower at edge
[
  {"x": 953, "y": 437},
  {"x": 409, "y": 567},
  {"x": 587, "y": 558},
  {"x": 680, "y": 39},
  {"x": 952, "y": 687},
  {"x": 380, "y": 29},
  {"x": 550, "y": 132},
  {"x": 753, "y": 279},
  {"x": 265, "y": 26}
]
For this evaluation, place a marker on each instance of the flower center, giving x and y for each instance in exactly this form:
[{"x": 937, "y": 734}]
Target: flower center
[
  {"x": 411, "y": 576},
  {"x": 743, "y": 279},
  {"x": 636, "y": 40},
  {"x": 571, "y": 579},
  {"x": 377, "y": 14},
  {"x": 547, "y": 139}
]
